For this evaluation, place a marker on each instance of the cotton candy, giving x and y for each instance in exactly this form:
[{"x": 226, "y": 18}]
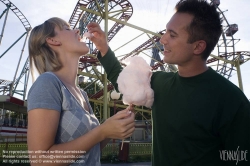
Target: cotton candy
[
  {"x": 134, "y": 82},
  {"x": 86, "y": 35}
]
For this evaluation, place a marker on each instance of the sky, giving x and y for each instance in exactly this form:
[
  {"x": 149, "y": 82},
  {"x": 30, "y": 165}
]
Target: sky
[{"x": 148, "y": 14}]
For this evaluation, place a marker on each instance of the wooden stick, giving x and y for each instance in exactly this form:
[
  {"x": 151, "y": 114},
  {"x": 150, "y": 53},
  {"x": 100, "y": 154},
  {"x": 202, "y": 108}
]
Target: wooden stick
[
  {"x": 122, "y": 144},
  {"x": 130, "y": 107}
]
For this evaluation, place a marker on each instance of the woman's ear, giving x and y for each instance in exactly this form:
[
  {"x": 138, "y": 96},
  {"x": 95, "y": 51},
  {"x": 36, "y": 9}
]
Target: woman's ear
[
  {"x": 199, "y": 47},
  {"x": 53, "y": 42}
]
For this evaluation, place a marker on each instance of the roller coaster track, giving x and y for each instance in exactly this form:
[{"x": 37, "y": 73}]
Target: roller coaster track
[
  {"x": 18, "y": 13},
  {"x": 84, "y": 18},
  {"x": 233, "y": 56},
  {"x": 100, "y": 93},
  {"x": 4, "y": 83},
  {"x": 27, "y": 27},
  {"x": 242, "y": 56}
]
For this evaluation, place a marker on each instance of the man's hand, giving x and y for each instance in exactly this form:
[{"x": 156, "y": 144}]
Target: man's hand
[{"x": 98, "y": 37}]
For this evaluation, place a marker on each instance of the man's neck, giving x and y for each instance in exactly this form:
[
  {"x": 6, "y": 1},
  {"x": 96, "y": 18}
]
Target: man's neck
[{"x": 192, "y": 70}]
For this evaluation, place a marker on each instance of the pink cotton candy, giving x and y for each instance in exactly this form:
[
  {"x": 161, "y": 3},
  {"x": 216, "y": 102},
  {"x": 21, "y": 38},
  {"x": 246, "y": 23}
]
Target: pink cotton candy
[
  {"x": 134, "y": 82},
  {"x": 86, "y": 35}
]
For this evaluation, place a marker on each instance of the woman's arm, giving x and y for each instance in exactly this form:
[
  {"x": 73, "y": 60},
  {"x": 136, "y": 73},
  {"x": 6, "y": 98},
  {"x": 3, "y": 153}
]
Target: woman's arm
[
  {"x": 42, "y": 128},
  {"x": 104, "y": 143}
]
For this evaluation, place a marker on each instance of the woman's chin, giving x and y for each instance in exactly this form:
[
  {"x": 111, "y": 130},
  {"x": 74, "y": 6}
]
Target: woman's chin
[{"x": 86, "y": 51}]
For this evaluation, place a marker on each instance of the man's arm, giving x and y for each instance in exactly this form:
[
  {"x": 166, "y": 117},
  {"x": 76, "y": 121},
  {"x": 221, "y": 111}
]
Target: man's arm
[
  {"x": 111, "y": 65},
  {"x": 105, "y": 55},
  {"x": 98, "y": 37}
]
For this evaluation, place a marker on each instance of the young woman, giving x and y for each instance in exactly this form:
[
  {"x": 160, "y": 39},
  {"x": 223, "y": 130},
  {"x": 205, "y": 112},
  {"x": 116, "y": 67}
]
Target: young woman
[{"x": 62, "y": 127}]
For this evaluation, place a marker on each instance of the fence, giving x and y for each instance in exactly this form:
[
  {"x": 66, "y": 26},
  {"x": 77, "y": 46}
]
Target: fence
[{"x": 13, "y": 138}]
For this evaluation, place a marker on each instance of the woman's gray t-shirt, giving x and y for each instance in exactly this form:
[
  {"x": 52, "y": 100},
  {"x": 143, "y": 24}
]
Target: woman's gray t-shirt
[{"x": 50, "y": 93}]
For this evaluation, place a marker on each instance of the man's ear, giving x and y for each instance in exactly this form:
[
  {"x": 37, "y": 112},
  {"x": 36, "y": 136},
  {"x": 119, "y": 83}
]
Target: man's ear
[
  {"x": 199, "y": 47},
  {"x": 53, "y": 42}
]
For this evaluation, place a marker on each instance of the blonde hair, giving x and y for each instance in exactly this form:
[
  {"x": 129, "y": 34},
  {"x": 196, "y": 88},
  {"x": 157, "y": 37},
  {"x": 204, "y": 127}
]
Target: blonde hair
[{"x": 41, "y": 56}]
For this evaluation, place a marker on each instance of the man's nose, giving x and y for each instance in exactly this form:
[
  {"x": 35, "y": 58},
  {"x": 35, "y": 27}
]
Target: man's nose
[{"x": 163, "y": 39}]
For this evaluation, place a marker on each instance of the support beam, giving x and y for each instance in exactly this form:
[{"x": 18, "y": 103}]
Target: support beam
[
  {"x": 105, "y": 81},
  {"x": 87, "y": 74},
  {"x": 237, "y": 65},
  {"x": 121, "y": 22},
  {"x": 222, "y": 59}
]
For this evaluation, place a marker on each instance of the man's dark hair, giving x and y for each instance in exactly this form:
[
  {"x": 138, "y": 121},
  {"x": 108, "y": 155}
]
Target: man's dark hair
[{"x": 206, "y": 24}]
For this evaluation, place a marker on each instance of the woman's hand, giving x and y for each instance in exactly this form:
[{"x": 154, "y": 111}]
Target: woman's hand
[
  {"x": 119, "y": 126},
  {"x": 98, "y": 37}
]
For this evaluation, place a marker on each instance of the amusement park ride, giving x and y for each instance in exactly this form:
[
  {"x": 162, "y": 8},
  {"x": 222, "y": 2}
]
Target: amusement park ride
[{"x": 225, "y": 62}]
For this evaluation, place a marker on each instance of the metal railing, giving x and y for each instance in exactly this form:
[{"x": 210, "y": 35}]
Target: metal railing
[
  {"x": 13, "y": 122},
  {"x": 13, "y": 138}
]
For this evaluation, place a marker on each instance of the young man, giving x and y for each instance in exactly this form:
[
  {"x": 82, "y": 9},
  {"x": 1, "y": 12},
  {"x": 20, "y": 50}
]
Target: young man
[{"x": 199, "y": 117}]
